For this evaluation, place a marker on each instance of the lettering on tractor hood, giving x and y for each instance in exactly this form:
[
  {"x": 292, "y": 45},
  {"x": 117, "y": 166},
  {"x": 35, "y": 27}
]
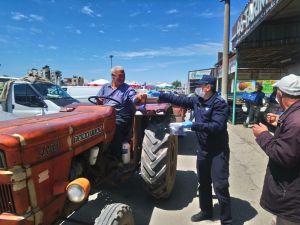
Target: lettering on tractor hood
[
  {"x": 86, "y": 135},
  {"x": 48, "y": 149}
]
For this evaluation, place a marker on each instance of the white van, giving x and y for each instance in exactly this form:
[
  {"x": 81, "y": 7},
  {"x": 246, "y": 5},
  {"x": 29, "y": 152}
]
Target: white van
[{"x": 82, "y": 93}]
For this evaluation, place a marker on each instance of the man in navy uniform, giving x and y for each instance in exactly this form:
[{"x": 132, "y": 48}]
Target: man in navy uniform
[{"x": 211, "y": 113}]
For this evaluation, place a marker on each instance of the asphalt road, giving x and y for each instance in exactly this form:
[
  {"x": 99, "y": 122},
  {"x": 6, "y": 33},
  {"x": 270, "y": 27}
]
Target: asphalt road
[{"x": 247, "y": 167}]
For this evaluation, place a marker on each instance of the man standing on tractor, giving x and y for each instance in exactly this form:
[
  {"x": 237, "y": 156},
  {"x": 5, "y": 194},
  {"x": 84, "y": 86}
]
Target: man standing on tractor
[
  {"x": 211, "y": 113},
  {"x": 122, "y": 97}
]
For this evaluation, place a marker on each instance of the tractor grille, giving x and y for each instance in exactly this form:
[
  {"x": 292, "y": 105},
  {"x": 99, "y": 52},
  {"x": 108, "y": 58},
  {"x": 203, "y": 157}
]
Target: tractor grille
[
  {"x": 6, "y": 199},
  {"x": 2, "y": 160}
]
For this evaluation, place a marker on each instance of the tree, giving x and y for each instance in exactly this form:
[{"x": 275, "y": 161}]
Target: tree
[{"x": 176, "y": 83}]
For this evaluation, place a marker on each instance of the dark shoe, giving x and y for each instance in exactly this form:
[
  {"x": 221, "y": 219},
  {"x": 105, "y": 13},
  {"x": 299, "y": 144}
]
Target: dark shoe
[
  {"x": 245, "y": 125},
  {"x": 201, "y": 216}
]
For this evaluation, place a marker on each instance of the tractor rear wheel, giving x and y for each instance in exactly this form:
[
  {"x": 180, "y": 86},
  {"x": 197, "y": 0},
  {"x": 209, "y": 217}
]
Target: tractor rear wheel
[
  {"x": 159, "y": 160},
  {"x": 115, "y": 214}
]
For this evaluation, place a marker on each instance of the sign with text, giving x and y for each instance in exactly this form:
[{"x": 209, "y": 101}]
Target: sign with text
[
  {"x": 197, "y": 74},
  {"x": 252, "y": 16}
]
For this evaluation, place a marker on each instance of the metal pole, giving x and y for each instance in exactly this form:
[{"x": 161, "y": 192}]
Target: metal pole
[
  {"x": 225, "y": 49},
  {"x": 234, "y": 86}
]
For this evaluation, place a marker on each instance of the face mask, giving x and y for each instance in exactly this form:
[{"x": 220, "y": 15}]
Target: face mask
[{"x": 199, "y": 92}]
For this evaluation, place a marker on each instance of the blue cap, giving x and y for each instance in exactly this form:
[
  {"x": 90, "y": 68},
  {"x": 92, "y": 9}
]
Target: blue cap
[{"x": 206, "y": 79}]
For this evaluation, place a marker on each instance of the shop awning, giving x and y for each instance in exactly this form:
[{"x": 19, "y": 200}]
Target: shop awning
[{"x": 272, "y": 40}]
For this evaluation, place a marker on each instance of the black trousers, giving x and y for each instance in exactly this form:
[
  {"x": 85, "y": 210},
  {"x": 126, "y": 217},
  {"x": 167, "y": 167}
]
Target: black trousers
[
  {"x": 122, "y": 134},
  {"x": 213, "y": 168}
]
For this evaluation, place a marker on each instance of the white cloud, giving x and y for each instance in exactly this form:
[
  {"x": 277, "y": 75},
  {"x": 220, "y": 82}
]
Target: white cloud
[
  {"x": 172, "y": 11},
  {"x": 3, "y": 40},
  {"x": 172, "y": 25},
  {"x": 98, "y": 15},
  {"x": 134, "y": 14},
  {"x": 71, "y": 28},
  {"x": 210, "y": 14},
  {"x": 92, "y": 25},
  {"x": 149, "y": 11},
  {"x": 14, "y": 29},
  {"x": 31, "y": 17},
  {"x": 168, "y": 27},
  {"x": 209, "y": 48},
  {"x": 101, "y": 31},
  {"x": 34, "y": 30},
  {"x": 159, "y": 65},
  {"x": 36, "y": 17},
  {"x": 87, "y": 10},
  {"x": 18, "y": 16},
  {"x": 135, "y": 40},
  {"x": 52, "y": 47}
]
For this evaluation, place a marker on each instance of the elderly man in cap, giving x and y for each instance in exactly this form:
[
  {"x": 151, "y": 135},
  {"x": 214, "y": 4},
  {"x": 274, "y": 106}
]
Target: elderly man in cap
[
  {"x": 211, "y": 113},
  {"x": 281, "y": 191},
  {"x": 125, "y": 97}
]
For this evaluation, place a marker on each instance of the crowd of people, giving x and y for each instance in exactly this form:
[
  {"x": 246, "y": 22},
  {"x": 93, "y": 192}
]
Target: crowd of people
[{"x": 281, "y": 191}]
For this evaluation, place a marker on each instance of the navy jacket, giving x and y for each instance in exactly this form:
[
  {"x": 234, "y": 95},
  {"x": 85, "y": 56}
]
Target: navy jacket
[{"x": 210, "y": 120}]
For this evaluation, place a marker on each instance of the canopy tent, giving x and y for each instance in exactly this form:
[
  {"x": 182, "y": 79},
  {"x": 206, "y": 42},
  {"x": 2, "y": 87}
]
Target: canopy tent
[
  {"x": 134, "y": 84},
  {"x": 164, "y": 85},
  {"x": 99, "y": 82},
  {"x": 150, "y": 86}
]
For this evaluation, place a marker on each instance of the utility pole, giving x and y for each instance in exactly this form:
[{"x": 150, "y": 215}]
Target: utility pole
[
  {"x": 111, "y": 56},
  {"x": 225, "y": 49}
]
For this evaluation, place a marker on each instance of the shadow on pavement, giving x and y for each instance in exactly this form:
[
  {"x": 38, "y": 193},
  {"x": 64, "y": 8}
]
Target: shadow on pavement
[
  {"x": 132, "y": 193},
  {"x": 242, "y": 211}
]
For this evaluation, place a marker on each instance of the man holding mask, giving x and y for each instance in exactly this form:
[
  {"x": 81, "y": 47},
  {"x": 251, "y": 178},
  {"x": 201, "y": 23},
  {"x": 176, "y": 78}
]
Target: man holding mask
[
  {"x": 211, "y": 113},
  {"x": 281, "y": 189}
]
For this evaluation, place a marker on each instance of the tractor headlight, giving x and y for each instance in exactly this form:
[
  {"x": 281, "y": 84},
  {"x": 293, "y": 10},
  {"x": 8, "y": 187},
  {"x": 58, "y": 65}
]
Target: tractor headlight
[{"x": 78, "y": 190}]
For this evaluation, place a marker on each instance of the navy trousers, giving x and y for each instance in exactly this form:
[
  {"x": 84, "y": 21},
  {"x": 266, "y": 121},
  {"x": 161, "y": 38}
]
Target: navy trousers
[
  {"x": 122, "y": 134},
  {"x": 213, "y": 168}
]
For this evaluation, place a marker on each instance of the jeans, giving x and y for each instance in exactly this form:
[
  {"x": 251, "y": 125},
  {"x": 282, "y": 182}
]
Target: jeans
[{"x": 253, "y": 115}]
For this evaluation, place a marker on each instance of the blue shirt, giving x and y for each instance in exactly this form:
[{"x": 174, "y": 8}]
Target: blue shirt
[
  {"x": 123, "y": 94},
  {"x": 210, "y": 119}
]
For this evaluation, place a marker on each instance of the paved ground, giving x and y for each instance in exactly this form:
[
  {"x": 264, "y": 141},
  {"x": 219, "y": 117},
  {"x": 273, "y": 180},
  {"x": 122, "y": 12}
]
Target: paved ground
[{"x": 247, "y": 167}]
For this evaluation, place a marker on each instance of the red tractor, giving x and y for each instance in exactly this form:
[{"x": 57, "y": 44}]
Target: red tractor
[{"x": 45, "y": 160}]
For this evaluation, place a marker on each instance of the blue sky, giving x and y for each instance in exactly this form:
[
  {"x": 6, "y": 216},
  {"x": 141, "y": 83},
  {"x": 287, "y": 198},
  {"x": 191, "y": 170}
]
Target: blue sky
[{"x": 155, "y": 40}]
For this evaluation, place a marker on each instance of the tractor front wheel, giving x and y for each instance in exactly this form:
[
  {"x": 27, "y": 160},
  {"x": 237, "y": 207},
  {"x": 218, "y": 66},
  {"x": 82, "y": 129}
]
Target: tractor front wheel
[{"x": 115, "y": 214}]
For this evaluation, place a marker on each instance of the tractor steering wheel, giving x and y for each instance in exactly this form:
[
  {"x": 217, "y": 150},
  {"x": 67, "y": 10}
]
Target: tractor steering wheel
[{"x": 93, "y": 100}]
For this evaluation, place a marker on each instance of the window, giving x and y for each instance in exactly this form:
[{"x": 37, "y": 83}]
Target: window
[
  {"x": 24, "y": 95},
  {"x": 50, "y": 91}
]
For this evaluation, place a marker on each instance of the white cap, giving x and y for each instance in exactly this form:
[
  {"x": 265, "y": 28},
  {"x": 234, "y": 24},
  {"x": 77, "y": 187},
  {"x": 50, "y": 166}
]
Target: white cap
[{"x": 289, "y": 84}]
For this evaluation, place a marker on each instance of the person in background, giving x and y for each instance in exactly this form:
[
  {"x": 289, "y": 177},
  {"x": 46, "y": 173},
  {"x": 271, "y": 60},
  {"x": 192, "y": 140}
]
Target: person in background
[
  {"x": 281, "y": 190},
  {"x": 125, "y": 108},
  {"x": 253, "y": 107},
  {"x": 272, "y": 99},
  {"x": 211, "y": 114}
]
